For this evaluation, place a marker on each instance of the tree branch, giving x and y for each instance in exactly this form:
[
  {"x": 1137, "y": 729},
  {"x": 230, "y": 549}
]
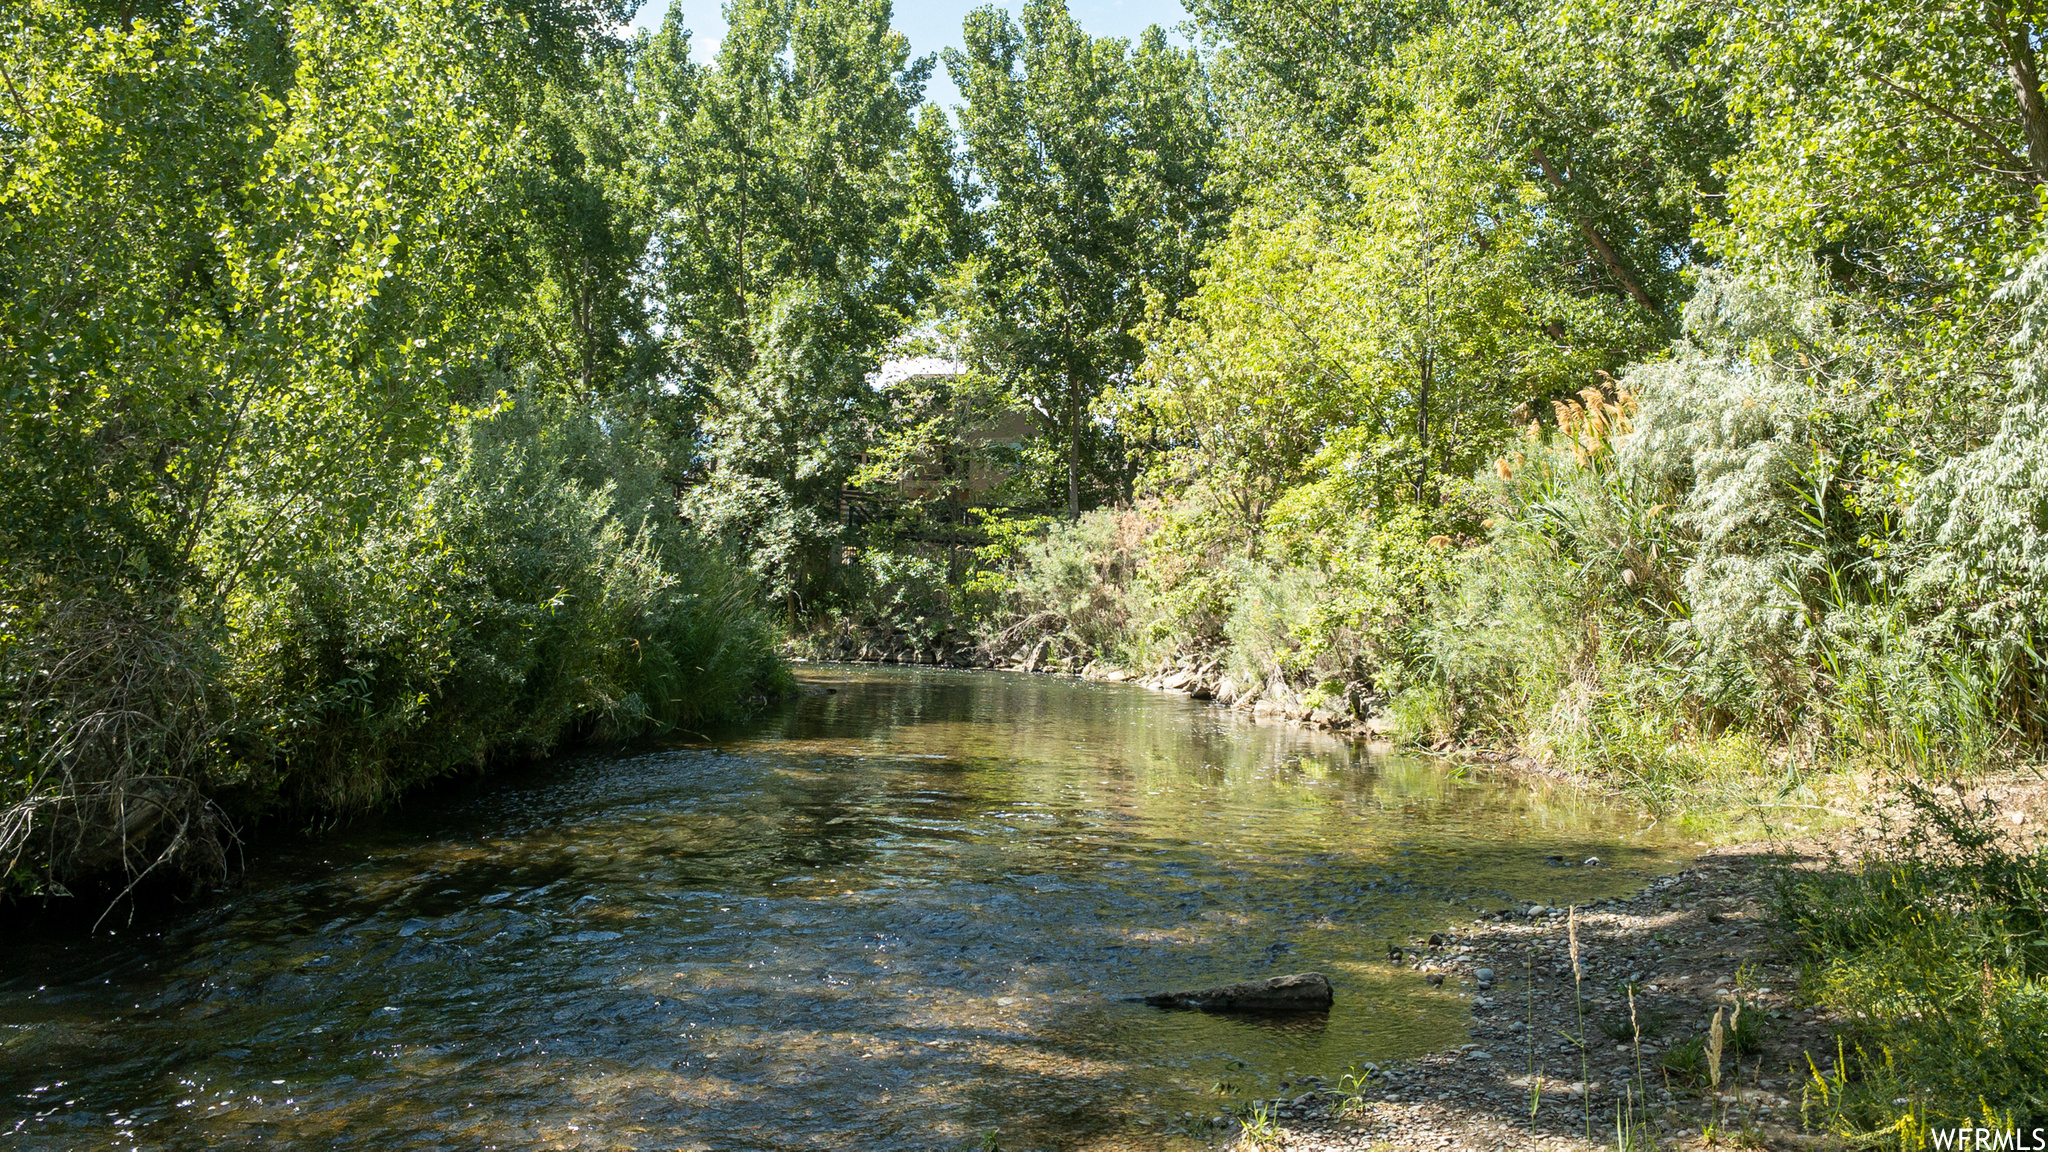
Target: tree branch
[
  {"x": 1607, "y": 254},
  {"x": 1961, "y": 121}
]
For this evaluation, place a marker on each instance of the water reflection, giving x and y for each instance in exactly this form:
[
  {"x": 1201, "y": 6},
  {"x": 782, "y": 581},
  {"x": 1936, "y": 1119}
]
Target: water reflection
[{"x": 902, "y": 912}]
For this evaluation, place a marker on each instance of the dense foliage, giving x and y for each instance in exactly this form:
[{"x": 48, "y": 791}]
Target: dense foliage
[
  {"x": 401, "y": 386},
  {"x": 333, "y": 456},
  {"x": 1652, "y": 388},
  {"x": 1647, "y": 387}
]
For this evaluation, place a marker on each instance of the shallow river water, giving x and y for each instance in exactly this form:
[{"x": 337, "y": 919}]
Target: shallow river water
[{"x": 904, "y": 912}]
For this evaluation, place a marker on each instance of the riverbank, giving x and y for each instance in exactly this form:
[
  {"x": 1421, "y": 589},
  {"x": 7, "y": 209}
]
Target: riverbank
[
  {"x": 1595, "y": 1027},
  {"x": 1197, "y": 677},
  {"x": 1699, "y": 940}
]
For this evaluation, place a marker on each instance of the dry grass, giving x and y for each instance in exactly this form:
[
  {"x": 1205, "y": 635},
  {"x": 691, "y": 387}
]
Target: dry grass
[{"x": 114, "y": 718}]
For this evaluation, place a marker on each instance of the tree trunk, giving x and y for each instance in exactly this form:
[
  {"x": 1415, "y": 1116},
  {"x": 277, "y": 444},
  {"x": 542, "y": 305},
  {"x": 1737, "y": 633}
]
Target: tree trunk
[
  {"x": 740, "y": 261},
  {"x": 1601, "y": 248},
  {"x": 1073, "y": 450},
  {"x": 1422, "y": 390},
  {"x": 2026, "y": 84}
]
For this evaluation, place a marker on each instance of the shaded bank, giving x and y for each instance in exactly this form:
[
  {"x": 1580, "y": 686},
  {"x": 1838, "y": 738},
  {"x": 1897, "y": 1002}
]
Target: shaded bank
[{"x": 534, "y": 591}]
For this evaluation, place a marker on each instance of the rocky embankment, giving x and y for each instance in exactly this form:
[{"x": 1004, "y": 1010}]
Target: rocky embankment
[
  {"x": 893, "y": 646},
  {"x": 1199, "y": 677},
  {"x": 1204, "y": 678}
]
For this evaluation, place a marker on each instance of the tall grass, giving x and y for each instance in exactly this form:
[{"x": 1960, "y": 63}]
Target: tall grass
[
  {"x": 114, "y": 711},
  {"x": 1935, "y": 953}
]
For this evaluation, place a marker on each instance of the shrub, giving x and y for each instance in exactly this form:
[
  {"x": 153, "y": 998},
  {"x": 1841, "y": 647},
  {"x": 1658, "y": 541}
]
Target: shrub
[
  {"x": 108, "y": 739},
  {"x": 1073, "y": 584},
  {"x": 533, "y": 587},
  {"x": 536, "y": 588},
  {"x": 1723, "y": 546}
]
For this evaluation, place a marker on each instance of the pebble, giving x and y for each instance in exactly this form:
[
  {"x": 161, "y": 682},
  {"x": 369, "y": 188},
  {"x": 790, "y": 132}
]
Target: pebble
[{"x": 1484, "y": 976}]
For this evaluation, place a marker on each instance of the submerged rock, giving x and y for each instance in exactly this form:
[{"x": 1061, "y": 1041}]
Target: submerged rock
[{"x": 1299, "y": 992}]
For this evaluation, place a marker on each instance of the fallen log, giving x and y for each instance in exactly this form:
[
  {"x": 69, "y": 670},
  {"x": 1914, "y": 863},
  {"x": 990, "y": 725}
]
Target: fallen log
[{"x": 1299, "y": 992}]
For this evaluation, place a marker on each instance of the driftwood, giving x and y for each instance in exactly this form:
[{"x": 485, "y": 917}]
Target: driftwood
[{"x": 1300, "y": 992}]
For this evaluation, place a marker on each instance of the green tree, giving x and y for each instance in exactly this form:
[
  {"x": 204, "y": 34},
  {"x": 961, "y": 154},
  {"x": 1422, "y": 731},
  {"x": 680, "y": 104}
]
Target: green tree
[
  {"x": 1304, "y": 82},
  {"x": 229, "y": 303},
  {"x": 586, "y": 322},
  {"x": 249, "y": 260},
  {"x": 1239, "y": 394},
  {"x": 1378, "y": 344},
  {"x": 803, "y": 214},
  {"x": 1902, "y": 150},
  {"x": 1092, "y": 166},
  {"x": 1905, "y": 144},
  {"x": 1627, "y": 133}
]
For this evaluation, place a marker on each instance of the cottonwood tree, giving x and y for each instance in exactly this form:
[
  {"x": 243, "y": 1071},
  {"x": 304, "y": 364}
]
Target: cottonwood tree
[
  {"x": 1092, "y": 171},
  {"x": 1239, "y": 394},
  {"x": 1903, "y": 150},
  {"x": 1303, "y": 83},
  {"x": 584, "y": 327},
  {"x": 249, "y": 258},
  {"x": 1905, "y": 142},
  {"x": 1358, "y": 355},
  {"x": 803, "y": 210}
]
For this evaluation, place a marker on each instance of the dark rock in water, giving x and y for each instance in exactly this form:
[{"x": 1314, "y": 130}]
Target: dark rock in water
[{"x": 1300, "y": 992}]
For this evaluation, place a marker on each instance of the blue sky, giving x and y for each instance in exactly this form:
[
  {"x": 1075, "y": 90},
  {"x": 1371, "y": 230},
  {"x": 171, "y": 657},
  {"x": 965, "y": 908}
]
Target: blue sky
[{"x": 934, "y": 24}]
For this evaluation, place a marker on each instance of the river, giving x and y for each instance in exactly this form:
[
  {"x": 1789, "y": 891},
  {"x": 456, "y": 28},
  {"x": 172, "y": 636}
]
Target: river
[{"x": 904, "y": 912}]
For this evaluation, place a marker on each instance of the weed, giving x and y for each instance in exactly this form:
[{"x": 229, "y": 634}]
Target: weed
[
  {"x": 1716, "y": 1043},
  {"x": 1685, "y": 1063},
  {"x": 1632, "y": 1132},
  {"x": 1747, "y": 1030},
  {"x": 1936, "y": 954},
  {"x": 1535, "y": 1081},
  {"x": 1579, "y": 1000},
  {"x": 1646, "y": 1023},
  {"x": 1351, "y": 1102},
  {"x": 1258, "y": 1129}
]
